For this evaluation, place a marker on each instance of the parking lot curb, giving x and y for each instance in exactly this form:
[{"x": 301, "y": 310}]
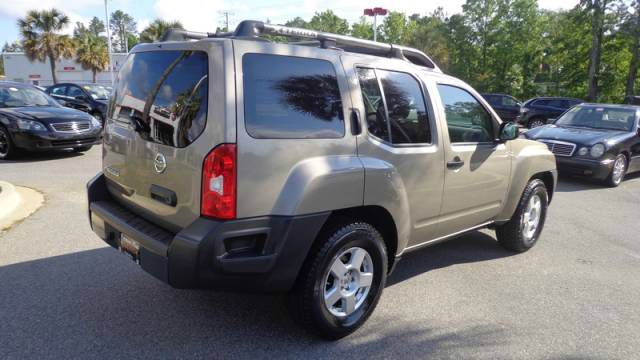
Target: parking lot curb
[{"x": 17, "y": 203}]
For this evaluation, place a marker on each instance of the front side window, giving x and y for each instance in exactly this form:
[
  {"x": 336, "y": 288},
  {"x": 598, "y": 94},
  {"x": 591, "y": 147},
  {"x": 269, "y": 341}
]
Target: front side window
[
  {"x": 467, "y": 120},
  {"x": 60, "y": 90},
  {"x": 74, "y": 92},
  {"x": 401, "y": 117},
  {"x": 164, "y": 95},
  {"x": 291, "y": 98}
]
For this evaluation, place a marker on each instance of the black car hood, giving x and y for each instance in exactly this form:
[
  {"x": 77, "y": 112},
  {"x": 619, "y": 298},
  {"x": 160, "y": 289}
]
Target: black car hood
[
  {"x": 581, "y": 136},
  {"x": 46, "y": 114}
]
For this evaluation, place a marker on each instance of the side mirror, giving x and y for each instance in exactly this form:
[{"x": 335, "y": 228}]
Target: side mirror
[{"x": 508, "y": 131}]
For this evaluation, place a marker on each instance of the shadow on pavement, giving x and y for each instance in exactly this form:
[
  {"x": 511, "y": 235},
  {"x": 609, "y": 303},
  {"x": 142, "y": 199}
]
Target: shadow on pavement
[
  {"x": 28, "y": 157},
  {"x": 97, "y": 303},
  {"x": 473, "y": 247}
]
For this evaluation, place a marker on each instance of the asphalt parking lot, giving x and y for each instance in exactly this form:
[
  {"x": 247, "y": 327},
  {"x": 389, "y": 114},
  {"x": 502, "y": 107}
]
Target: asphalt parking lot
[{"x": 576, "y": 295}]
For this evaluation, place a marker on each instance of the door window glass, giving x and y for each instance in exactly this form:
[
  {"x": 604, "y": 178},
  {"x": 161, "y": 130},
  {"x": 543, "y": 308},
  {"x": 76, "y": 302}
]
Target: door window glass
[
  {"x": 467, "y": 120},
  {"x": 406, "y": 108},
  {"x": 509, "y": 101},
  {"x": 373, "y": 104},
  {"x": 59, "y": 90},
  {"x": 75, "y": 91}
]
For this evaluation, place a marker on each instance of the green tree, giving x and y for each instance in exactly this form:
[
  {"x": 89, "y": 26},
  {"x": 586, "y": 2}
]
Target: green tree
[
  {"x": 632, "y": 30},
  {"x": 397, "y": 28},
  {"x": 297, "y": 22},
  {"x": 157, "y": 28},
  {"x": 596, "y": 9},
  {"x": 327, "y": 21},
  {"x": 431, "y": 36},
  {"x": 92, "y": 53},
  {"x": 96, "y": 26},
  {"x": 41, "y": 38},
  {"x": 362, "y": 29},
  {"x": 122, "y": 24},
  {"x": 15, "y": 46}
]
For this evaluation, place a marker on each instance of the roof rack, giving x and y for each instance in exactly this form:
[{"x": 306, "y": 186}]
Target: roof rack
[{"x": 251, "y": 29}]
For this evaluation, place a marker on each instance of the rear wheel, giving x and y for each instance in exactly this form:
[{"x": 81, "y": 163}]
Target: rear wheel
[
  {"x": 342, "y": 281},
  {"x": 524, "y": 228},
  {"x": 536, "y": 122},
  {"x": 618, "y": 171},
  {"x": 7, "y": 148}
]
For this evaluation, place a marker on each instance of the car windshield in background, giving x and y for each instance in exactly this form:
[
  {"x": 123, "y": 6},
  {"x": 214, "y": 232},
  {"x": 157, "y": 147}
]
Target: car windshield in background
[
  {"x": 599, "y": 117},
  {"x": 98, "y": 92},
  {"x": 19, "y": 97}
]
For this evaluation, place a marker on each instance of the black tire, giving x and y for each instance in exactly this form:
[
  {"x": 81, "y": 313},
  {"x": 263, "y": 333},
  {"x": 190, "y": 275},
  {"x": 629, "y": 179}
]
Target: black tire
[
  {"x": 511, "y": 235},
  {"x": 82, "y": 148},
  {"x": 7, "y": 148},
  {"x": 535, "y": 122},
  {"x": 307, "y": 298},
  {"x": 614, "y": 179}
]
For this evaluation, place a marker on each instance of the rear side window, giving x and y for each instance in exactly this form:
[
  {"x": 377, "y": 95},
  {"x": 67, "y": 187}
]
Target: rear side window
[
  {"x": 74, "y": 91},
  {"x": 398, "y": 113},
  {"x": 291, "y": 98},
  {"x": 163, "y": 94},
  {"x": 60, "y": 90}
]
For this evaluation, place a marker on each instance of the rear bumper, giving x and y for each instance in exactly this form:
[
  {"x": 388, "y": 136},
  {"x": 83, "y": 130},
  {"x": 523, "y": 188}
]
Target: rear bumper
[
  {"x": 597, "y": 169},
  {"x": 37, "y": 141},
  {"x": 257, "y": 254}
]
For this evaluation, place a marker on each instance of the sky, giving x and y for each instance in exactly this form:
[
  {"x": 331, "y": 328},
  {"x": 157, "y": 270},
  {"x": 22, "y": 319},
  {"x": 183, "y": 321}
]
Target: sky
[{"x": 206, "y": 15}]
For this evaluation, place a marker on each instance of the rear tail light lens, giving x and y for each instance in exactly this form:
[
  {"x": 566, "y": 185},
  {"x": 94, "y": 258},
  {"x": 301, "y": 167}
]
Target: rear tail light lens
[{"x": 219, "y": 183}]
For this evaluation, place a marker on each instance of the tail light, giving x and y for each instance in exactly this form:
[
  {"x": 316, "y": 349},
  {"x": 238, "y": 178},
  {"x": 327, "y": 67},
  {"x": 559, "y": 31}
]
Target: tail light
[{"x": 219, "y": 183}]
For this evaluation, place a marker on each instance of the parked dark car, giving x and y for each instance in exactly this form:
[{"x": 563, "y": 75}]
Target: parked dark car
[
  {"x": 539, "y": 111},
  {"x": 505, "y": 105},
  {"x": 91, "y": 98},
  {"x": 633, "y": 100},
  {"x": 599, "y": 141},
  {"x": 32, "y": 120}
]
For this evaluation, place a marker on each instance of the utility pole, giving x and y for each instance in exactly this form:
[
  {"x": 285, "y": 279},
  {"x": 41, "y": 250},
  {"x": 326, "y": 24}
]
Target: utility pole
[
  {"x": 225, "y": 15},
  {"x": 106, "y": 15},
  {"x": 375, "y": 12}
]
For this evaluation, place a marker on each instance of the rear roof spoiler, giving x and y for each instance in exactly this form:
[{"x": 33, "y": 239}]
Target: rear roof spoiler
[{"x": 251, "y": 29}]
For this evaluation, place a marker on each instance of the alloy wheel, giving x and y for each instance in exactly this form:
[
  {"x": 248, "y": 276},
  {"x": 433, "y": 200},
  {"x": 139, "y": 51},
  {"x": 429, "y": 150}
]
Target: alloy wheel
[
  {"x": 535, "y": 123},
  {"x": 531, "y": 217},
  {"x": 348, "y": 281},
  {"x": 619, "y": 168},
  {"x": 4, "y": 143}
]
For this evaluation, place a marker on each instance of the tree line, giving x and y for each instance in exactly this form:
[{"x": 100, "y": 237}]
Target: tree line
[{"x": 591, "y": 51}]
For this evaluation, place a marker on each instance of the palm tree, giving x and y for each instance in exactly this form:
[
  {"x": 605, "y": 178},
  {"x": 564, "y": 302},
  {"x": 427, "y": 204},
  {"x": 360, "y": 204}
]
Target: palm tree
[
  {"x": 92, "y": 53},
  {"x": 41, "y": 40},
  {"x": 157, "y": 28}
]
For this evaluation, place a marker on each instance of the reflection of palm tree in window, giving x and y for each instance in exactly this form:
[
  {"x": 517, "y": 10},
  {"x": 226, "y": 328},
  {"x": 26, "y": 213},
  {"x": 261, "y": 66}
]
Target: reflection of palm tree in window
[
  {"x": 398, "y": 105},
  {"x": 316, "y": 95},
  {"x": 186, "y": 108}
]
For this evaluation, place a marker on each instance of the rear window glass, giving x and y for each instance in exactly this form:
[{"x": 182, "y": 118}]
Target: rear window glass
[
  {"x": 163, "y": 94},
  {"x": 291, "y": 98}
]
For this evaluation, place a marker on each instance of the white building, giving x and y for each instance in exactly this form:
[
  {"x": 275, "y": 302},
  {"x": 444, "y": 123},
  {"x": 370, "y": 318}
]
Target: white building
[{"x": 18, "y": 68}]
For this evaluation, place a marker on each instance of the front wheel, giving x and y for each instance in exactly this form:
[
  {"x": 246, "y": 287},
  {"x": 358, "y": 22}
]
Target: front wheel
[
  {"x": 523, "y": 230},
  {"x": 342, "y": 281},
  {"x": 618, "y": 171},
  {"x": 7, "y": 148}
]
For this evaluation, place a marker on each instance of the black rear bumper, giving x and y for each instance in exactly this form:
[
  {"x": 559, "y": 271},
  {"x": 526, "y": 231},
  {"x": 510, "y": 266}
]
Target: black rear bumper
[{"x": 256, "y": 254}]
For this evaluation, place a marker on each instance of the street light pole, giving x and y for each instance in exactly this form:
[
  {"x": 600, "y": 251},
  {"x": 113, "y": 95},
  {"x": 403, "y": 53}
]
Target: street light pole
[
  {"x": 106, "y": 15},
  {"x": 375, "y": 12}
]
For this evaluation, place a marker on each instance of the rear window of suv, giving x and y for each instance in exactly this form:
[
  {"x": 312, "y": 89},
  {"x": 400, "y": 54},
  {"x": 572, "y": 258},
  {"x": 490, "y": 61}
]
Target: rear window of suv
[
  {"x": 289, "y": 97},
  {"x": 163, "y": 94}
]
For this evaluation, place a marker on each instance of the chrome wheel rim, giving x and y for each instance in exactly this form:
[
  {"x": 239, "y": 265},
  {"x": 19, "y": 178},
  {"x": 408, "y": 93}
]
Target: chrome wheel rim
[
  {"x": 618, "y": 169},
  {"x": 4, "y": 143},
  {"x": 531, "y": 217},
  {"x": 348, "y": 282}
]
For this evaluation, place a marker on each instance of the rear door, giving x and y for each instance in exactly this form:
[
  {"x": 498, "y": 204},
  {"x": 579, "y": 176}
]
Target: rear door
[
  {"x": 400, "y": 129},
  {"x": 167, "y": 112},
  {"x": 477, "y": 168}
]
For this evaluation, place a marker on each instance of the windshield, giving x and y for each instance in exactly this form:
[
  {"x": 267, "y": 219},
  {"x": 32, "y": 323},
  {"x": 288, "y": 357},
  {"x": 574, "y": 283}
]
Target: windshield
[
  {"x": 19, "y": 97},
  {"x": 599, "y": 117},
  {"x": 97, "y": 92}
]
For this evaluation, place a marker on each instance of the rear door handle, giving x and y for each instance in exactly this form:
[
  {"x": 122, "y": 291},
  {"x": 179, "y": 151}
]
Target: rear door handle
[{"x": 455, "y": 163}]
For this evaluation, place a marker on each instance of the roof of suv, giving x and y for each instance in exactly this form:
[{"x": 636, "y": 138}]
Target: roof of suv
[{"x": 252, "y": 30}]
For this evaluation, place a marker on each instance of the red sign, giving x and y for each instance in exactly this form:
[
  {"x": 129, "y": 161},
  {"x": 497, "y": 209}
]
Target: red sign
[
  {"x": 34, "y": 76},
  {"x": 375, "y": 11},
  {"x": 69, "y": 68}
]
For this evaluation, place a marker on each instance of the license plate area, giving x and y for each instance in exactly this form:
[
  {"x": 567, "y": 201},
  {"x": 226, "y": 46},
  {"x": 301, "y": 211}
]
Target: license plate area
[{"x": 130, "y": 247}]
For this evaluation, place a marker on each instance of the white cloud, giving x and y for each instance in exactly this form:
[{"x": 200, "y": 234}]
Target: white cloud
[
  {"x": 19, "y": 8},
  {"x": 142, "y": 24},
  {"x": 196, "y": 15}
]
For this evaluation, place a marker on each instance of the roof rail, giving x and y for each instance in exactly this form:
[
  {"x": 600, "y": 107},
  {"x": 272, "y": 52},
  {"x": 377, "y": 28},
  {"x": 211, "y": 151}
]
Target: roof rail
[{"x": 251, "y": 29}]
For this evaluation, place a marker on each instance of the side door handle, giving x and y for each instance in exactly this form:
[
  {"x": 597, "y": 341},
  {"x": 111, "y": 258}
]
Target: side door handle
[{"x": 455, "y": 163}]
